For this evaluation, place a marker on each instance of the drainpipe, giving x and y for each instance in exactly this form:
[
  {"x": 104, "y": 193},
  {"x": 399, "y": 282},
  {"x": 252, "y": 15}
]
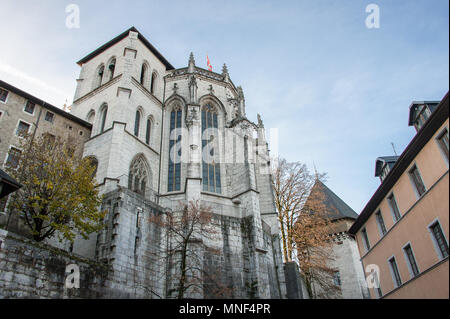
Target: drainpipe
[{"x": 161, "y": 141}]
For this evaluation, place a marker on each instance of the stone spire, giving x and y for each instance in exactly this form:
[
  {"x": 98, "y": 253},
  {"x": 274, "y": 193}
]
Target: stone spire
[
  {"x": 226, "y": 76},
  {"x": 241, "y": 101},
  {"x": 191, "y": 65}
]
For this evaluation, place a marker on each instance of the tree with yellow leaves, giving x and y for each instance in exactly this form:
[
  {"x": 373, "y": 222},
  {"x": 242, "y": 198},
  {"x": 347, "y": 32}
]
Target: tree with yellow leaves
[{"x": 58, "y": 195}]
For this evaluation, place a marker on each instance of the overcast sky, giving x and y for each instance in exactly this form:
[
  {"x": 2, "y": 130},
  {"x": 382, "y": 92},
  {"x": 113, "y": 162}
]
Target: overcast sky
[{"x": 337, "y": 91}]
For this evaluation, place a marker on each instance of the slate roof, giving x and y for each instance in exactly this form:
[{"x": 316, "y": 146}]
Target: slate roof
[
  {"x": 120, "y": 37},
  {"x": 9, "y": 184},
  {"x": 336, "y": 208}
]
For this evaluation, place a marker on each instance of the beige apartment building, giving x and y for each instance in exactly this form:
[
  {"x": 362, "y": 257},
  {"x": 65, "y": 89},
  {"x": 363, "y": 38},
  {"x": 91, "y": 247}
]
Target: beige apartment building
[
  {"x": 402, "y": 233},
  {"x": 21, "y": 112}
]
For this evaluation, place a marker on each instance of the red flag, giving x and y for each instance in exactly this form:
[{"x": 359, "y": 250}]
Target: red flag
[{"x": 208, "y": 63}]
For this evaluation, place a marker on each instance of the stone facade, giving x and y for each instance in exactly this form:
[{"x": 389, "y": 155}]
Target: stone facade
[
  {"x": 130, "y": 94},
  {"x": 41, "y": 118}
]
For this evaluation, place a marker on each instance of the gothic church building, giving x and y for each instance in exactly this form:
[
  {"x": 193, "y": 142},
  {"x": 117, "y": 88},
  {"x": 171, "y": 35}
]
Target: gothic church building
[{"x": 163, "y": 136}]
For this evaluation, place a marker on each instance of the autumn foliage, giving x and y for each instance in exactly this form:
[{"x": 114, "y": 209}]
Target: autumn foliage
[{"x": 58, "y": 196}]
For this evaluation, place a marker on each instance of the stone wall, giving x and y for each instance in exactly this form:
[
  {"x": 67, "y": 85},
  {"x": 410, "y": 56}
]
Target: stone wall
[{"x": 33, "y": 270}]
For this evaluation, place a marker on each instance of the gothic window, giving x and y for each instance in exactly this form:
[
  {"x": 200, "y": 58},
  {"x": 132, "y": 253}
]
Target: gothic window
[
  {"x": 174, "y": 174},
  {"x": 137, "y": 122},
  {"x": 99, "y": 76},
  {"x": 91, "y": 116},
  {"x": 210, "y": 151},
  {"x": 139, "y": 175},
  {"x": 148, "y": 131},
  {"x": 143, "y": 73},
  {"x": 111, "y": 68},
  {"x": 104, "y": 112},
  {"x": 153, "y": 84},
  {"x": 94, "y": 163}
]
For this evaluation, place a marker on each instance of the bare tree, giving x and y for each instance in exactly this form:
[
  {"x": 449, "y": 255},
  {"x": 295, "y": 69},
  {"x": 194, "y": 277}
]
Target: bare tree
[
  {"x": 314, "y": 248},
  {"x": 189, "y": 230},
  {"x": 292, "y": 183}
]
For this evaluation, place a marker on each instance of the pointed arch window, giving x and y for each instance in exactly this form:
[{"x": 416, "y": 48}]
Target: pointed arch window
[
  {"x": 103, "y": 118},
  {"x": 153, "y": 84},
  {"x": 148, "y": 131},
  {"x": 138, "y": 176},
  {"x": 143, "y": 73},
  {"x": 99, "y": 76},
  {"x": 111, "y": 68},
  {"x": 210, "y": 150},
  {"x": 137, "y": 122},
  {"x": 174, "y": 174}
]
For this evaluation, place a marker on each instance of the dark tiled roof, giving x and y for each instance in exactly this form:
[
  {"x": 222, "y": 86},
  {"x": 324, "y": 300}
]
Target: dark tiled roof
[
  {"x": 9, "y": 184},
  {"x": 44, "y": 104},
  {"x": 123, "y": 36},
  {"x": 335, "y": 207}
]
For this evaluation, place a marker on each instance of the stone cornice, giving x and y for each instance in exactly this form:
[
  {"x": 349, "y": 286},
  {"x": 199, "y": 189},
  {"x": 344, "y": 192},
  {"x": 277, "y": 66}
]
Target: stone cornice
[
  {"x": 97, "y": 90},
  {"x": 145, "y": 91}
]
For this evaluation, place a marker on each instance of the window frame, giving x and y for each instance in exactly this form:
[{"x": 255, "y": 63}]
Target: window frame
[
  {"x": 391, "y": 207},
  {"x": 380, "y": 228},
  {"x": 17, "y": 127},
  {"x": 393, "y": 272},
  {"x": 7, "y": 154},
  {"x": 445, "y": 153},
  {"x": 408, "y": 262},
  {"x": 413, "y": 180},
  {"x": 7, "y": 96},
  {"x": 434, "y": 240},
  {"x": 25, "y": 106},
  {"x": 365, "y": 239},
  {"x": 53, "y": 116}
]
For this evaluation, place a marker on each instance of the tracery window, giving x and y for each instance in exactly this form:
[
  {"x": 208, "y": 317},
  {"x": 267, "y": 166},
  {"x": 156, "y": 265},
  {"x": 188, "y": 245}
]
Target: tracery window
[
  {"x": 138, "y": 176},
  {"x": 210, "y": 150},
  {"x": 174, "y": 174}
]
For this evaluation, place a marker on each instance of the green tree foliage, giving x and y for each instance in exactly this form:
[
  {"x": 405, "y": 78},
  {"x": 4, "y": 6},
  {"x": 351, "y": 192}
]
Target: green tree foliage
[{"x": 58, "y": 195}]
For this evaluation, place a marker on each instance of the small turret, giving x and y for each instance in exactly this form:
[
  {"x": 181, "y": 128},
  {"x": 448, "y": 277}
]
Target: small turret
[
  {"x": 191, "y": 65},
  {"x": 226, "y": 76}
]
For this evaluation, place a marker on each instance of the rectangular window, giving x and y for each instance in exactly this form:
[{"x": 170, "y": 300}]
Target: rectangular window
[
  {"x": 337, "y": 278},
  {"x": 395, "y": 272},
  {"x": 22, "y": 129},
  {"x": 49, "y": 116},
  {"x": 3, "y": 202},
  {"x": 417, "y": 180},
  {"x": 411, "y": 260},
  {"x": 379, "y": 292},
  {"x": 394, "y": 208},
  {"x": 3, "y": 95},
  {"x": 380, "y": 223},
  {"x": 29, "y": 107},
  {"x": 365, "y": 238},
  {"x": 443, "y": 142},
  {"x": 439, "y": 239},
  {"x": 13, "y": 157}
]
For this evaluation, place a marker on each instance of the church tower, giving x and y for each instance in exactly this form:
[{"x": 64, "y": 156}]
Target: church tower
[{"x": 163, "y": 136}]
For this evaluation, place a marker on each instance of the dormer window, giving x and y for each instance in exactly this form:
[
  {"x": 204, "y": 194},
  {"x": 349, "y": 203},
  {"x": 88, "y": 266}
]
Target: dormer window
[
  {"x": 419, "y": 113},
  {"x": 384, "y": 165}
]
